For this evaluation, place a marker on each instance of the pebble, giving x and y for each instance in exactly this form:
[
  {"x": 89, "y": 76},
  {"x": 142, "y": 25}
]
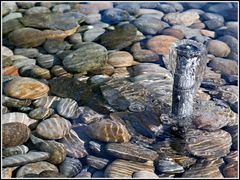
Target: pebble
[
  {"x": 120, "y": 59},
  {"x": 60, "y": 8},
  {"x": 93, "y": 34},
  {"x": 20, "y": 61},
  {"x": 75, "y": 146},
  {"x": 232, "y": 31},
  {"x": 58, "y": 70},
  {"x": 41, "y": 113},
  {"x": 218, "y": 48},
  {"x": 70, "y": 167},
  {"x": 47, "y": 102},
  {"x": 37, "y": 10},
  {"x": 131, "y": 8},
  {"x": 46, "y": 60},
  {"x": 148, "y": 25},
  {"x": 75, "y": 38},
  {"x": 10, "y": 71},
  {"x": 231, "y": 170},
  {"x": 25, "y": 5},
  {"x": 166, "y": 8},
  {"x": 35, "y": 37},
  {"x": 68, "y": 108},
  {"x": 120, "y": 38},
  {"x": 131, "y": 152},
  {"x": 27, "y": 52},
  {"x": 208, "y": 144},
  {"x": 93, "y": 18},
  {"x": 88, "y": 115},
  {"x": 96, "y": 162},
  {"x": 53, "y": 46},
  {"x": 114, "y": 16},
  {"x": 40, "y": 73},
  {"x": 124, "y": 169},
  {"x": 57, "y": 151},
  {"x": 173, "y": 32},
  {"x": 108, "y": 131},
  {"x": 87, "y": 57},
  {"x": 35, "y": 168},
  {"x": 167, "y": 166},
  {"x": 145, "y": 55},
  {"x": 51, "y": 173},
  {"x": 188, "y": 32},
  {"x": 22, "y": 159},
  {"x": 232, "y": 42},
  {"x": 7, "y": 173},
  {"x": 17, "y": 117},
  {"x": 233, "y": 131},
  {"x": 160, "y": 44},
  {"x": 145, "y": 174},
  {"x": 184, "y": 18},
  {"x": 9, "y": 7},
  {"x": 59, "y": 128},
  {"x": 11, "y": 25},
  {"x": 11, "y": 151},
  {"x": 15, "y": 134},
  {"x": 11, "y": 16},
  {"x": 26, "y": 88},
  {"x": 224, "y": 66}
]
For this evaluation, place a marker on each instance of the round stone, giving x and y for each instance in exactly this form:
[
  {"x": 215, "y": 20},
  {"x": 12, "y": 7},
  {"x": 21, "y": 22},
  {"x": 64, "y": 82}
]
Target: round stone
[
  {"x": 173, "y": 32},
  {"x": 68, "y": 108},
  {"x": 11, "y": 151},
  {"x": 218, "y": 48},
  {"x": 70, "y": 167},
  {"x": 120, "y": 59},
  {"x": 145, "y": 175},
  {"x": 26, "y": 88},
  {"x": 46, "y": 60},
  {"x": 114, "y": 16},
  {"x": 53, "y": 128},
  {"x": 41, "y": 113},
  {"x": 14, "y": 134},
  {"x": 17, "y": 117}
]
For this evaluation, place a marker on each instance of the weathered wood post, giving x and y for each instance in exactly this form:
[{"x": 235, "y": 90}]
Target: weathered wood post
[{"x": 188, "y": 61}]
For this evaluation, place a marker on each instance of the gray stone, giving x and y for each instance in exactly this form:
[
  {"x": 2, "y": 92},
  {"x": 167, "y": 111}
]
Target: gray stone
[
  {"x": 130, "y": 7},
  {"x": 60, "y": 8},
  {"x": 53, "y": 46},
  {"x": 114, "y": 16},
  {"x": 70, "y": 167},
  {"x": 68, "y": 108},
  {"x": 75, "y": 38},
  {"x": 46, "y": 60},
  {"x": 93, "y": 18},
  {"x": 11, "y": 16},
  {"x": 37, "y": 10},
  {"x": 93, "y": 34},
  {"x": 167, "y": 166},
  {"x": 27, "y": 52},
  {"x": 213, "y": 24}
]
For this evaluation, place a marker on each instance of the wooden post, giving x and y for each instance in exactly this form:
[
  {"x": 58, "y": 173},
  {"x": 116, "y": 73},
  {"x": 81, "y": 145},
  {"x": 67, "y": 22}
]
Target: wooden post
[{"x": 188, "y": 61}]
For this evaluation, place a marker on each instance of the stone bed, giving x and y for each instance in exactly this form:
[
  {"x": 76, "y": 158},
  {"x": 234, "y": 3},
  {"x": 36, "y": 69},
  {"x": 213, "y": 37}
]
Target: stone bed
[{"x": 87, "y": 90}]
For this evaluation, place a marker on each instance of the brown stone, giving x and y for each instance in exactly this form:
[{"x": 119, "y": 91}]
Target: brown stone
[
  {"x": 10, "y": 71},
  {"x": 173, "y": 32},
  {"x": 120, "y": 59},
  {"x": 208, "y": 33},
  {"x": 218, "y": 48},
  {"x": 231, "y": 170}
]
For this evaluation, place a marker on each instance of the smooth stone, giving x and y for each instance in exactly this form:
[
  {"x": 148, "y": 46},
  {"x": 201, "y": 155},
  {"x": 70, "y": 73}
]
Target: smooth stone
[
  {"x": 53, "y": 46},
  {"x": 9, "y": 7},
  {"x": 11, "y": 151},
  {"x": 10, "y": 71},
  {"x": 231, "y": 170},
  {"x": 124, "y": 169},
  {"x": 26, "y": 88},
  {"x": 188, "y": 32},
  {"x": 15, "y": 134},
  {"x": 11, "y": 16},
  {"x": 149, "y": 5},
  {"x": 131, "y": 152},
  {"x": 88, "y": 115},
  {"x": 145, "y": 11},
  {"x": 53, "y": 21},
  {"x": 131, "y": 8},
  {"x": 144, "y": 175},
  {"x": 167, "y": 166},
  {"x": 68, "y": 108},
  {"x": 84, "y": 174},
  {"x": 51, "y": 174},
  {"x": 173, "y": 32},
  {"x": 98, "y": 174},
  {"x": 106, "y": 69},
  {"x": 233, "y": 131},
  {"x": 114, "y": 16},
  {"x": 59, "y": 128},
  {"x": 41, "y": 113},
  {"x": 47, "y": 102},
  {"x": 58, "y": 71},
  {"x": 25, "y": 5},
  {"x": 198, "y": 25},
  {"x": 87, "y": 57},
  {"x": 120, "y": 59},
  {"x": 120, "y": 38},
  {"x": 208, "y": 144},
  {"x": 212, "y": 16},
  {"x": 11, "y": 25},
  {"x": 46, "y": 60},
  {"x": 203, "y": 171},
  {"x": 37, "y": 10},
  {"x": 93, "y": 18},
  {"x": 218, "y": 48},
  {"x": 93, "y": 34},
  {"x": 27, "y": 52},
  {"x": 70, "y": 167},
  {"x": 97, "y": 80},
  {"x": 22, "y": 159},
  {"x": 60, "y": 8},
  {"x": 231, "y": 42},
  {"x": 40, "y": 73},
  {"x": 75, "y": 145},
  {"x": 184, "y": 18},
  {"x": 17, "y": 117},
  {"x": 224, "y": 66},
  {"x": 232, "y": 31},
  {"x": 108, "y": 131},
  {"x": 75, "y": 38},
  {"x": 145, "y": 55},
  {"x": 148, "y": 25},
  {"x": 166, "y": 8},
  {"x": 56, "y": 150},
  {"x": 96, "y": 162},
  {"x": 210, "y": 121},
  {"x": 20, "y": 61},
  {"x": 35, "y": 37},
  {"x": 35, "y": 168},
  {"x": 231, "y": 157},
  {"x": 213, "y": 24},
  {"x": 4, "y": 109},
  {"x": 207, "y": 33},
  {"x": 160, "y": 44}
]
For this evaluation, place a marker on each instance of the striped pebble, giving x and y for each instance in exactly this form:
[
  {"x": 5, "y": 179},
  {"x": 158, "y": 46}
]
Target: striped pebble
[
  {"x": 58, "y": 70},
  {"x": 22, "y": 159},
  {"x": 108, "y": 131},
  {"x": 46, "y": 60},
  {"x": 56, "y": 150},
  {"x": 68, "y": 108},
  {"x": 22, "y": 149},
  {"x": 10, "y": 71},
  {"x": 96, "y": 162},
  {"x": 145, "y": 175},
  {"x": 12, "y": 102},
  {"x": 70, "y": 167},
  {"x": 14, "y": 134},
  {"x": 17, "y": 117},
  {"x": 124, "y": 169},
  {"x": 35, "y": 168},
  {"x": 41, "y": 113},
  {"x": 74, "y": 145},
  {"x": 39, "y": 72},
  {"x": 88, "y": 115},
  {"x": 47, "y": 102},
  {"x": 25, "y": 88},
  {"x": 53, "y": 128}
]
